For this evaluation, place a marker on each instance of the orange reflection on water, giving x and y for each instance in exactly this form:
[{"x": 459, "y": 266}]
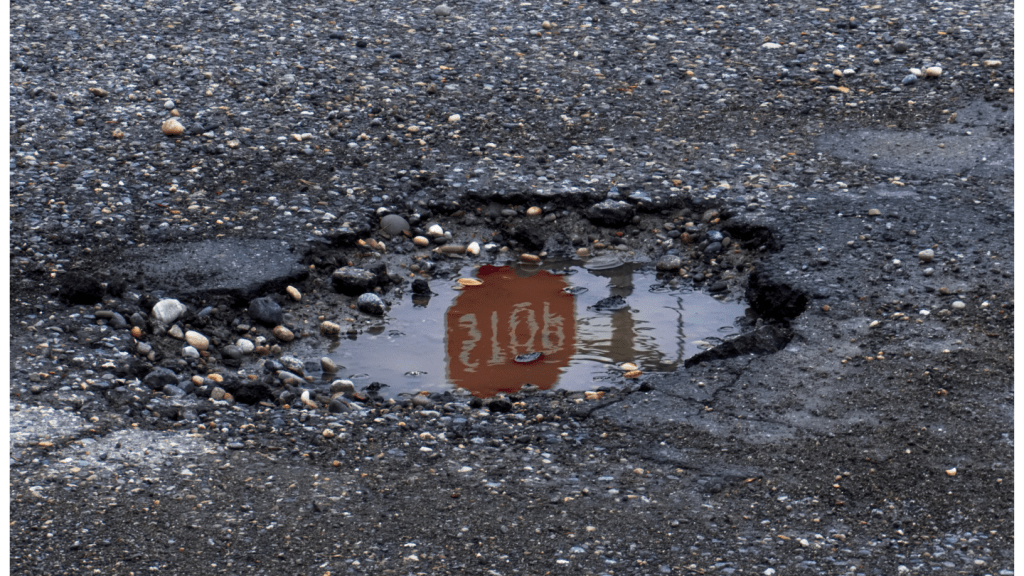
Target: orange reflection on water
[{"x": 510, "y": 314}]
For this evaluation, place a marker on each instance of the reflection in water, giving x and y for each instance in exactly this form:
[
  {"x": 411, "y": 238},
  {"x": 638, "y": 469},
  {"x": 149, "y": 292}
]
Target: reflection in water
[{"x": 470, "y": 337}]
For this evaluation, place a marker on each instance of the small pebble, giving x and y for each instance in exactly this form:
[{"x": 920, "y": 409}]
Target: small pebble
[
  {"x": 454, "y": 118},
  {"x": 328, "y": 365},
  {"x": 342, "y": 387},
  {"x": 172, "y": 127},
  {"x": 176, "y": 332},
  {"x": 928, "y": 271},
  {"x": 959, "y": 305},
  {"x": 283, "y": 334},
  {"x": 435, "y": 230},
  {"x": 534, "y": 211},
  {"x": 169, "y": 310},
  {"x": 190, "y": 352},
  {"x": 874, "y": 212},
  {"x": 933, "y": 71},
  {"x": 245, "y": 345},
  {"x": 421, "y": 241},
  {"x": 473, "y": 249},
  {"x": 294, "y": 293},
  {"x": 371, "y": 304},
  {"x": 442, "y": 10},
  {"x": 529, "y": 258},
  {"x": 992, "y": 63},
  {"x": 197, "y": 340},
  {"x": 909, "y": 79},
  {"x": 926, "y": 255}
]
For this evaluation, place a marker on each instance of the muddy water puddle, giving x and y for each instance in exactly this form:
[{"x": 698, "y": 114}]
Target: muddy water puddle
[{"x": 565, "y": 325}]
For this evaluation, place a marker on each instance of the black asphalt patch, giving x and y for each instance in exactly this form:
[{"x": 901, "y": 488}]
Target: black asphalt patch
[{"x": 239, "y": 268}]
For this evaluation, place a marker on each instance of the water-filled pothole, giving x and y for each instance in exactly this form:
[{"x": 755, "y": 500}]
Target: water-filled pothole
[{"x": 564, "y": 324}]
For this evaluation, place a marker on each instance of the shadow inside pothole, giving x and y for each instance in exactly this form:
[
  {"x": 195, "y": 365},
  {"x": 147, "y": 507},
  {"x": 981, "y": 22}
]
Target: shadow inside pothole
[{"x": 569, "y": 325}]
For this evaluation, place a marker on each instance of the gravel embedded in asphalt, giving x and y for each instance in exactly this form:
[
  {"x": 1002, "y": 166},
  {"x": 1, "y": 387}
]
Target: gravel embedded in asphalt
[{"x": 845, "y": 168}]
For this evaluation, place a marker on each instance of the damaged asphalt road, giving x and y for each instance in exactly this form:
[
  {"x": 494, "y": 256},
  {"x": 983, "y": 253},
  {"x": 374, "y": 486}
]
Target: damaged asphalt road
[{"x": 862, "y": 422}]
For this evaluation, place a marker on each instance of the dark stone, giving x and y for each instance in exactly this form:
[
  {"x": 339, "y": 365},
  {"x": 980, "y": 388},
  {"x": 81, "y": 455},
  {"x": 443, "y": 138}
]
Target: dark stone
[
  {"x": 173, "y": 391},
  {"x": 611, "y": 213},
  {"x": 764, "y": 340},
  {"x": 774, "y": 300},
  {"x": 159, "y": 378},
  {"x": 352, "y": 281},
  {"x": 420, "y": 286},
  {"x": 380, "y": 270},
  {"x": 719, "y": 286},
  {"x": 713, "y": 248},
  {"x": 339, "y": 405},
  {"x": 530, "y": 238},
  {"x": 80, "y": 288},
  {"x": 611, "y": 303},
  {"x": 247, "y": 391},
  {"x": 499, "y": 405},
  {"x": 266, "y": 311},
  {"x": 394, "y": 224}
]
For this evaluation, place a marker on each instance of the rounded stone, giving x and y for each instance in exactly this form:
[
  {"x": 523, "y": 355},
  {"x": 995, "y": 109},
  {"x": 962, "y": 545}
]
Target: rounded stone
[
  {"x": 329, "y": 328},
  {"x": 245, "y": 345},
  {"x": 669, "y": 263},
  {"x": 168, "y": 311},
  {"x": 190, "y": 352},
  {"x": 266, "y": 311},
  {"x": 233, "y": 352},
  {"x": 874, "y": 212},
  {"x": 328, "y": 365},
  {"x": 172, "y": 127},
  {"x": 926, "y": 255},
  {"x": 197, "y": 340},
  {"x": 160, "y": 377},
  {"x": 959, "y": 305},
  {"x": 283, "y": 334},
  {"x": 342, "y": 387},
  {"x": 371, "y": 304},
  {"x": 394, "y": 224}
]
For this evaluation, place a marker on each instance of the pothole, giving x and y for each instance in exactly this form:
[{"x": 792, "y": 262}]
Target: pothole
[{"x": 562, "y": 324}]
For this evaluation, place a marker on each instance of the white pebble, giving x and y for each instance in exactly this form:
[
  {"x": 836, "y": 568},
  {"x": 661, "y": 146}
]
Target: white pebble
[
  {"x": 169, "y": 105},
  {"x": 167, "y": 311},
  {"x": 771, "y": 45},
  {"x": 190, "y": 352},
  {"x": 926, "y": 255},
  {"x": 473, "y": 248},
  {"x": 245, "y": 345},
  {"x": 916, "y": 72},
  {"x": 933, "y": 71},
  {"x": 959, "y": 305},
  {"x": 928, "y": 271},
  {"x": 176, "y": 332},
  {"x": 454, "y": 118},
  {"x": 435, "y": 230}
]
